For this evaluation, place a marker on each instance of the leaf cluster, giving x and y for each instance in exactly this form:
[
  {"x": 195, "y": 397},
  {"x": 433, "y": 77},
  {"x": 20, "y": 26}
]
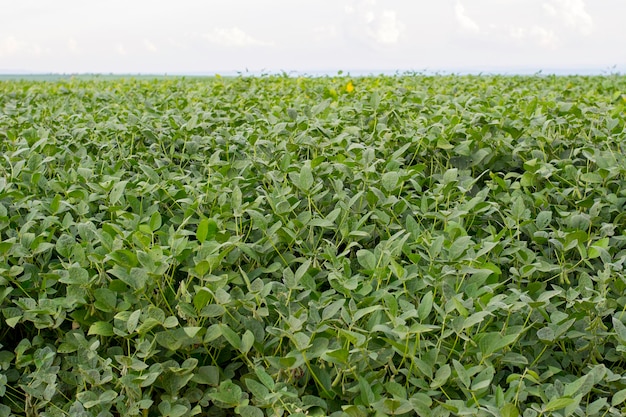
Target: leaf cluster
[{"x": 408, "y": 245}]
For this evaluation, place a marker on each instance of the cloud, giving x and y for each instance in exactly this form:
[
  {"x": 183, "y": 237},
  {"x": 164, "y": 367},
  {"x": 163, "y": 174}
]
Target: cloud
[
  {"x": 233, "y": 37},
  {"x": 389, "y": 28},
  {"x": 541, "y": 36},
  {"x": 371, "y": 25},
  {"x": 324, "y": 33},
  {"x": 572, "y": 12},
  {"x": 466, "y": 22},
  {"x": 11, "y": 46},
  {"x": 149, "y": 45},
  {"x": 545, "y": 37},
  {"x": 177, "y": 43},
  {"x": 72, "y": 45}
]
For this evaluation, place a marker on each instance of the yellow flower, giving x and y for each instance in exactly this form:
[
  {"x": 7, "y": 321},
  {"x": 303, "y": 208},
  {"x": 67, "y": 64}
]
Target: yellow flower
[{"x": 349, "y": 87}]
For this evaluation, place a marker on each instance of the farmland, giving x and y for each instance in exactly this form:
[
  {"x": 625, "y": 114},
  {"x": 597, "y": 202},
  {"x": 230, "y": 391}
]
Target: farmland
[{"x": 407, "y": 245}]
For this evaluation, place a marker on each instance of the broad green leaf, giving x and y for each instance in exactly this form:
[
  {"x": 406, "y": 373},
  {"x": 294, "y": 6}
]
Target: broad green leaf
[
  {"x": 230, "y": 336},
  {"x": 250, "y": 411},
  {"x": 305, "y": 179},
  {"x": 596, "y": 406},
  {"x": 332, "y": 309},
  {"x": 101, "y": 328},
  {"x": 459, "y": 247},
  {"x": 441, "y": 376},
  {"x": 76, "y": 275},
  {"x": 390, "y": 180},
  {"x": 509, "y": 410},
  {"x": 620, "y": 329},
  {"x": 236, "y": 200},
  {"x": 558, "y": 403},
  {"x": 265, "y": 378},
  {"x": 207, "y": 229},
  {"x": 367, "y": 395},
  {"x": 133, "y": 320},
  {"x": 227, "y": 393},
  {"x": 425, "y": 306},
  {"x": 257, "y": 389},
  {"x": 544, "y": 218},
  {"x": 64, "y": 245},
  {"x": 117, "y": 191},
  {"x": 246, "y": 341},
  {"x": 366, "y": 259},
  {"x": 155, "y": 221},
  {"x": 618, "y": 398},
  {"x": 462, "y": 373}
]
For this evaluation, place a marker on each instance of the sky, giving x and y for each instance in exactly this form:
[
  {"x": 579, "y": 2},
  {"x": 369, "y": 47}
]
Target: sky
[{"x": 312, "y": 36}]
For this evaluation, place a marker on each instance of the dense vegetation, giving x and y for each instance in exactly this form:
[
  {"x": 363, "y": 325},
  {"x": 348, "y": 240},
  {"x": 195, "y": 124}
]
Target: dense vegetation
[{"x": 432, "y": 246}]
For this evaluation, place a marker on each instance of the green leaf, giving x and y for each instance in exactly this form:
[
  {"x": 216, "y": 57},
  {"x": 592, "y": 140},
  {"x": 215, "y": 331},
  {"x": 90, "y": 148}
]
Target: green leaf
[
  {"x": 236, "y": 200},
  {"x": 265, "y": 378},
  {"x": 366, "y": 259},
  {"x": 230, "y": 336},
  {"x": 213, "y": 332},
  {"x": 591, "y": 178},
  {"x": 618, "y": 398},
  {"x": 106, "y": 300},
  {"x": 596, "y": 406},
  {"x": 375, "y": 100},
  {"x": 257, "y": 389},
  {"x": 332, "y": 309},
  {"x": 367, "y": 395},
  {"x": 117, "y": 191},
  {"x": 459, "y": 247},
  {"x": 305, "y": 179},
  {"x": 620, "y": 329},
  {"x": 558, "y": 403},
  {"x": 441, "y": 376},
  {"x": 64, "y": 245},
  {"x": 207, "y": 375},
  {"x": 227, "y": 393},
  {"x": 509, "y": 410},
  {"x": 390, "y": 180},
  {"x": 76, "y": 275},
  {"x": 462, "y": 373},
  {"x": 493, "y": 342},
  {"x": 544, "y": 218},
  {"x": 483, "y": 379},
  {"x": 133, "y": 320},
  {"x": 425, "y": 306},
  {"x": 101, "y": 328},
  {"x": 250, "y": 411},
  {"x": 155, "y": 221},
  {"x": 246, "y": 341},
  {"x": 207, "y": 229}
]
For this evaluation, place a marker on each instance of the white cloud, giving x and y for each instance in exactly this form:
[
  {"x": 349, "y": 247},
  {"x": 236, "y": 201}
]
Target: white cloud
[
  {"x": 545, "y": 37},
  {"x": 389, "y": 28},
  {"x": 12, "y": 46},
  {"x": 572, "y": 12},
  {"x": 9, "y": 46},
  {"x": 324, "y": 33},
  {"x": 177, "y": 43},
  {"x": 374, "y": 26},
  {"x": 466, "y": 22},
  {"x": 72, "y": 45},
  {"x": 538, "y": 35},
  {"x": 149, "y": 45},
  {"x": 233, "y": 37}
]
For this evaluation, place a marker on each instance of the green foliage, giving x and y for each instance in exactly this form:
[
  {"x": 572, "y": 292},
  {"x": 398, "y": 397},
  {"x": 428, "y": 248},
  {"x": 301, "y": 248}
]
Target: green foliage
[{"x": 432, "y": 246}]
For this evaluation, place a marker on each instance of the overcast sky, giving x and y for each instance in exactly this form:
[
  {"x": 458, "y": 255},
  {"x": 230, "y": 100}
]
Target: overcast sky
[{"x": 194, "y": 36}]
